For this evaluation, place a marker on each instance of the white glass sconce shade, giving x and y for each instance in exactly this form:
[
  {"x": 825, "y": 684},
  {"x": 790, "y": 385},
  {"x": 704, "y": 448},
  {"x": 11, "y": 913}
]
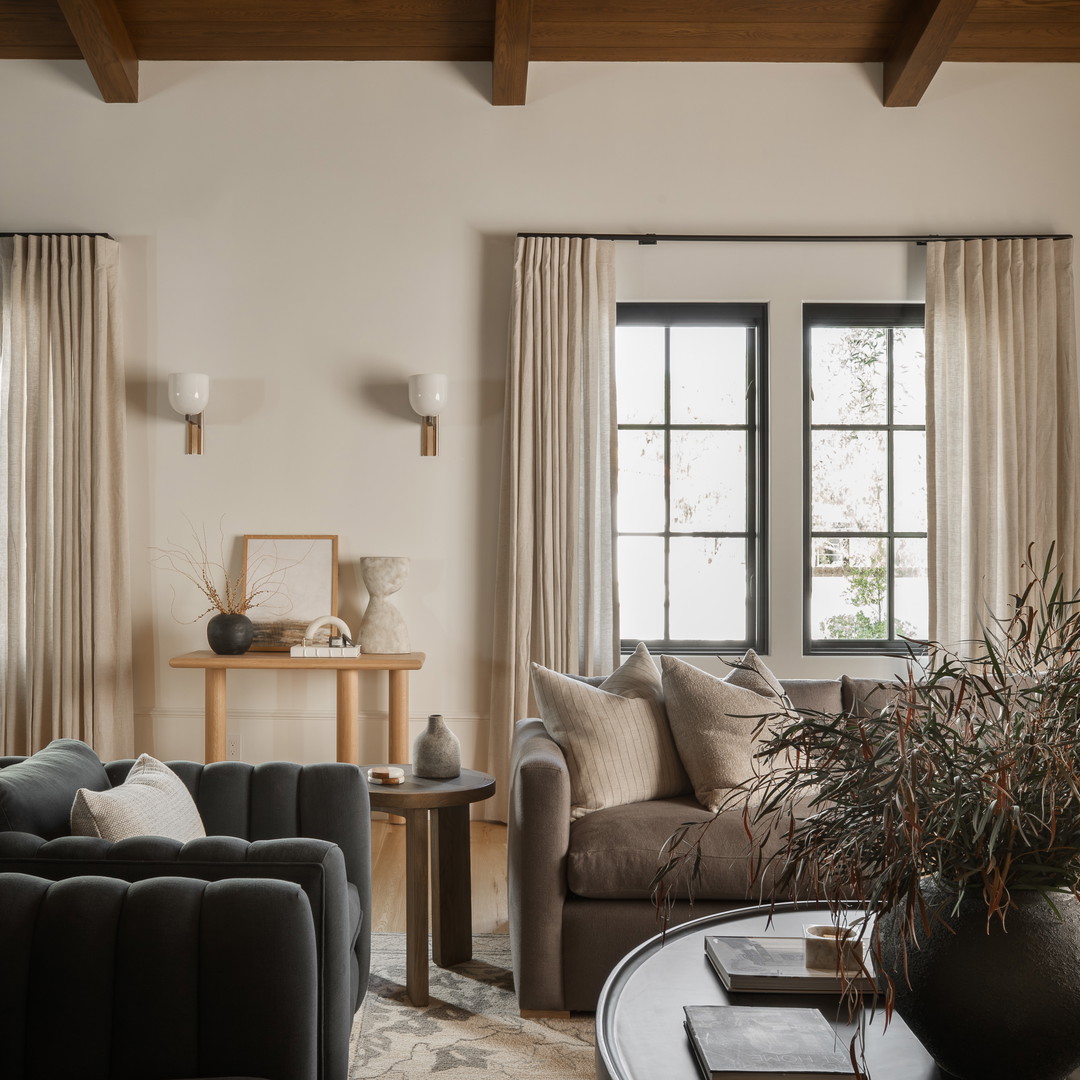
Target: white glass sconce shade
[
  {"x": 427, "y": 393},
  {"x": 189, "y": 394},
  {"x": 427, "y": 396}
]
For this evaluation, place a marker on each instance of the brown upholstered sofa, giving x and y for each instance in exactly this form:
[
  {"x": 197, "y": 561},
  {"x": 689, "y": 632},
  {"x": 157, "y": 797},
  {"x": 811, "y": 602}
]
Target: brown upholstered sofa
[{"x": 579, "y": 890}]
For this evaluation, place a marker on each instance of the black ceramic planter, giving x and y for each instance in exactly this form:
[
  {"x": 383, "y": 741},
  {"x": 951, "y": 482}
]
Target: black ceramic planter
[
  {"x": 993, "y": 1002},
  {"x": 229, "y": 634}
]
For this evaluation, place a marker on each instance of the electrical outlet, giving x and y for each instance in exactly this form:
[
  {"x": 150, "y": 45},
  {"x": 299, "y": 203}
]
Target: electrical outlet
[{"x": 234, "y": 748}]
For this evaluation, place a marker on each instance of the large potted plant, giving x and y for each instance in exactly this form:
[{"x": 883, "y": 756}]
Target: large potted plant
[{"x": 949, "y": 807}]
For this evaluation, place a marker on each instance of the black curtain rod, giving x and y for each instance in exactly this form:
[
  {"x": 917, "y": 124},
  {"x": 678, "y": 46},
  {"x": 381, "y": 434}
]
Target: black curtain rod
[
  {"x": 657, "y": 238},
  {"x": 62, "y": 232}
]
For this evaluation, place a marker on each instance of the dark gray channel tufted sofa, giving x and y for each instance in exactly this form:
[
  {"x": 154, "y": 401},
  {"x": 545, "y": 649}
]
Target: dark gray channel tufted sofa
[
  {"x": 277, "y": 833},
  {"x": 579, "y": 890}
]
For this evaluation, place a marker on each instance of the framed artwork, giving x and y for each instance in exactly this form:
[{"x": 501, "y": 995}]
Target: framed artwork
[{"x": 295, "y": 579}]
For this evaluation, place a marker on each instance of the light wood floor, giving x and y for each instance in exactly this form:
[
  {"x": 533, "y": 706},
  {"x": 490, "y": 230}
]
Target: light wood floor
[{"x": 488, "y": 841}]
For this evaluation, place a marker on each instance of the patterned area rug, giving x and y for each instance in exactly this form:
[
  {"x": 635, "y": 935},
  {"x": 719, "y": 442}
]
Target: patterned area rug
[{"x": 470, "y": 1029}]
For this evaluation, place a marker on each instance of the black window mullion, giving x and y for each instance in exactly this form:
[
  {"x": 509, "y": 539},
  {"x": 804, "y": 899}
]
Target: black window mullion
[{"x": 667, "y": 483}]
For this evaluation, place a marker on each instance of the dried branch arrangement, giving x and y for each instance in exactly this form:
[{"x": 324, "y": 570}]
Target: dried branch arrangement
[{"x": 230, "y": 594}]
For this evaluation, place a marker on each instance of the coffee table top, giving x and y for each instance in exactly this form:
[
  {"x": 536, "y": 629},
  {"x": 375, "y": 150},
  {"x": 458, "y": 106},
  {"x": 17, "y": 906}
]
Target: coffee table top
[
  {"x": 639, "y": 1017},
  {"x": 420, "y": 793}
]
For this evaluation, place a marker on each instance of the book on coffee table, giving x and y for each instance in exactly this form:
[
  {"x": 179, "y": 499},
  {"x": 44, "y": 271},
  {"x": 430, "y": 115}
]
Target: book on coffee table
[
  {"x": 775, "y": 965},
  {"x": 736, "y": 1042}
]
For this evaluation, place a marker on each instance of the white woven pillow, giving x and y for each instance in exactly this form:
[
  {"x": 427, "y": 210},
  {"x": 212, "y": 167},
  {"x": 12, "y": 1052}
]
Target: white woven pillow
[
  {"x": 615, "y": 736},
  {"x": 152, "y": 801}
]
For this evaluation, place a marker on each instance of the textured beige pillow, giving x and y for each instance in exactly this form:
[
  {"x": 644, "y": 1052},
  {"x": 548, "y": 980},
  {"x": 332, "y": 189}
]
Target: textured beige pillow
[
  {"x": 152, "y": 801},
  {"x": 713, "y": 723},
  {"x": 615, "y": 736},
  {"x": 752, "y": 673}
]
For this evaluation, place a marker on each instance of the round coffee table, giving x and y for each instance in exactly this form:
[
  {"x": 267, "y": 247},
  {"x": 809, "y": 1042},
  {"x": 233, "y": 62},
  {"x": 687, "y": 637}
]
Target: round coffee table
[
  {"x": 639, "y": 1017},
  {"x": 436, "y": 814}
]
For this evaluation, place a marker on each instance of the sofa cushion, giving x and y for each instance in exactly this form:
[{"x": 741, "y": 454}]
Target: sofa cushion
[
  {"x": 861, "y": 697},
  {"x": 36, "y": 794},
  {"x": 615, "y": 736},
  {"x": 152, "y": 801},
  {"x": 717, "y": 726},
  {"x": 751, "y": 673},
  {"x": 814, "y": 695},
  {"x": 614, "y": 853}
]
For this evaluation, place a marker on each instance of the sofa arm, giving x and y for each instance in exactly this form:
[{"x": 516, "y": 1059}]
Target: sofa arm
[
  {"x": 538, "y": 838},
  {"x": 316, "y": 866},
  {"x": 160, "y": 978}
]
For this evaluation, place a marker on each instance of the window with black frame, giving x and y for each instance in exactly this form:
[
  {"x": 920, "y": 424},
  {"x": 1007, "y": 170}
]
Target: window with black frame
[
  {"x": 691, "y": 484},
  {"x": 865, "y": 477}
]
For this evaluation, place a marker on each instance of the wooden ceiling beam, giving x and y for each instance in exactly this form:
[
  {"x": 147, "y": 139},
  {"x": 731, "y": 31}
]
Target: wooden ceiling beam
[
  {"x": 920, "y": 48},
  {"x": 510, "y": 51},
  {"x": 106, "y": 46}
]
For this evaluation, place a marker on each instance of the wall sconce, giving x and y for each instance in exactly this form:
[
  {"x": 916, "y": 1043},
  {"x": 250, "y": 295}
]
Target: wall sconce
[
  {"x": 427, "y": 396},
  {"x": 189, "y": 394}
]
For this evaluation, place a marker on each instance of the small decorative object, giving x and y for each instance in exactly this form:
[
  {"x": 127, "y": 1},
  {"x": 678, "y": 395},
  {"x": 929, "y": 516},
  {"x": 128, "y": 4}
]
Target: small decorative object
[
  {"x": 437, "y": 751},
  {"x": 338, "y": 644},
  {"x": 382, "y": 629},
  {"x": 950, "y": 810},
  {"x": 230, "y": 631},
  {"x": 307, "y": 571},
  {"x": 386, "y": 774},
  {"x": 832, "y": 948}
]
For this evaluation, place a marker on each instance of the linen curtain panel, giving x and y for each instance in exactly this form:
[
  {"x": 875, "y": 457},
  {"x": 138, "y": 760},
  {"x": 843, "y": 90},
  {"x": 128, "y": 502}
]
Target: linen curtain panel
[
  {"x": 65, "y": 637},
  {"x": 555, "y": 570},
  {"x": 1002, "y": 424}
]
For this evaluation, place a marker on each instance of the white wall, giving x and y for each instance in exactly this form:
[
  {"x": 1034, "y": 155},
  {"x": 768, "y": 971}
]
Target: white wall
[{"x": 309, "y": 234}]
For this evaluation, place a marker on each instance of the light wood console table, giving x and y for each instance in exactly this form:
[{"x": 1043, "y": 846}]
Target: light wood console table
[{"x": 397, "y": 665}]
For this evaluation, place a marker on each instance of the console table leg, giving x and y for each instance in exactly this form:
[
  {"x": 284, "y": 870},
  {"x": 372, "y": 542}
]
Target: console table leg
[
  {"x": 399, "y": 717},
  {"x": 416, "y": 906},
  {"x": 348, "y": 710},
  {"x": 214, "y": 733},
  {"x": 451, "y": 888}
]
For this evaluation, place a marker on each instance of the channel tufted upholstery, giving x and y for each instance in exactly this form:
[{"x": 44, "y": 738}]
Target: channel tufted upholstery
[
  {"x": 305, "y": 825},
  {"x": 161, "y": 978}
]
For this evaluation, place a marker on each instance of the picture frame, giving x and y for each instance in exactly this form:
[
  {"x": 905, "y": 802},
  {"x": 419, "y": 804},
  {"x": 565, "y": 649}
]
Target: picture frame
[{"x": 301, "y": 584}]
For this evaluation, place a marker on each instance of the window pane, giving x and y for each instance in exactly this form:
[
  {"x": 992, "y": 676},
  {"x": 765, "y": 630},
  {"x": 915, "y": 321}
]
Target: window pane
[
  {"x": 708, "y": 375},
  {"x": 708, "y": 481},
  {"x": 641, "y": 588},
  {"x": 639, "y": 374},
  {"x": 909, "y": 375},
  {"x": 912, "y": 603},
  {"x": 708, "y": 589},
  {"x": 850, "y": 375},
  {"x": 849, "y": 493},
  {"x": 641, "y": 481},
  {"x": 849, "y": 589},
  {"x": 909, "y": 481}
]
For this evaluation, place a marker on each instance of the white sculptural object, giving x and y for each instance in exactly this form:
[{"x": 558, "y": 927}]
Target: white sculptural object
[{"x": 382, "y": 629}]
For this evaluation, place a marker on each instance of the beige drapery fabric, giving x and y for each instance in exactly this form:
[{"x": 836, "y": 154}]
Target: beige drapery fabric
[
  {"x": 1002, "y": 423},
  {"x": 65, "y": 637},
  {"x": 555, "y": 572}
]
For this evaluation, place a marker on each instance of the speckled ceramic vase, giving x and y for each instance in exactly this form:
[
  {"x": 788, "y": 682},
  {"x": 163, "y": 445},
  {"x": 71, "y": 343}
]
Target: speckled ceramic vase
[
  {"x": 437, "y": 751},
  {"x": 383, "y": 630}
]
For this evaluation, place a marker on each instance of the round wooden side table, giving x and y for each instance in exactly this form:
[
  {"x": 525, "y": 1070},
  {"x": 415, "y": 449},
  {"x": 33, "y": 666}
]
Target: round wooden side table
[{"x": 436, "y": 814}]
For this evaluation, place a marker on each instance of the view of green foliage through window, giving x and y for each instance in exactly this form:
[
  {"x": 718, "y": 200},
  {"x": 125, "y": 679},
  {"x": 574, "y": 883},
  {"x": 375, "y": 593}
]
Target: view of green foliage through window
[
  {"x": 866, "y": 484},
  {"x": 690, "y": 383}
]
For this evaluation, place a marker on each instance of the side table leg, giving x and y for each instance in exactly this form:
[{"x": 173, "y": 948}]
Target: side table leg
[
  {"x": 214, "y": 710},
  {"x": 451, "y": 889},
  {"x": 348, "y": 710},
  {"x": 416, "y": 906}
]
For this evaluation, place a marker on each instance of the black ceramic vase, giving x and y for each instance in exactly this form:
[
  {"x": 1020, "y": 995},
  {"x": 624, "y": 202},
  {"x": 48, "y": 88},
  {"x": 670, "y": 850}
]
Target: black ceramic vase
[
  {"x": 229, "y": 634},
  {"x": 993, "y": 1002}
]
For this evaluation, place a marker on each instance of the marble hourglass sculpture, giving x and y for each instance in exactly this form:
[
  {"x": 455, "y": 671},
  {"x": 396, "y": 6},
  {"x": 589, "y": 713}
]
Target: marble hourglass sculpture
[{"x": 382, "y": 629}]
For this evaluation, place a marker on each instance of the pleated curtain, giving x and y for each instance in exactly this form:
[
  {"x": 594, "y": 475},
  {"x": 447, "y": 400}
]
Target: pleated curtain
[
  {"x": 555, "y": 572},
  {"x": 65, "y": 634},
  {"x": 1002, "y": 424}
]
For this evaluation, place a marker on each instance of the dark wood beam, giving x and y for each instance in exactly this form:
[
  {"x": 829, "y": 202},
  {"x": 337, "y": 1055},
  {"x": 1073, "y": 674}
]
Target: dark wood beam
[
  {"x": 920, "y": 49},
  {"x": 106, "y": 46},
  {"x": 510, "y": 55}
]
